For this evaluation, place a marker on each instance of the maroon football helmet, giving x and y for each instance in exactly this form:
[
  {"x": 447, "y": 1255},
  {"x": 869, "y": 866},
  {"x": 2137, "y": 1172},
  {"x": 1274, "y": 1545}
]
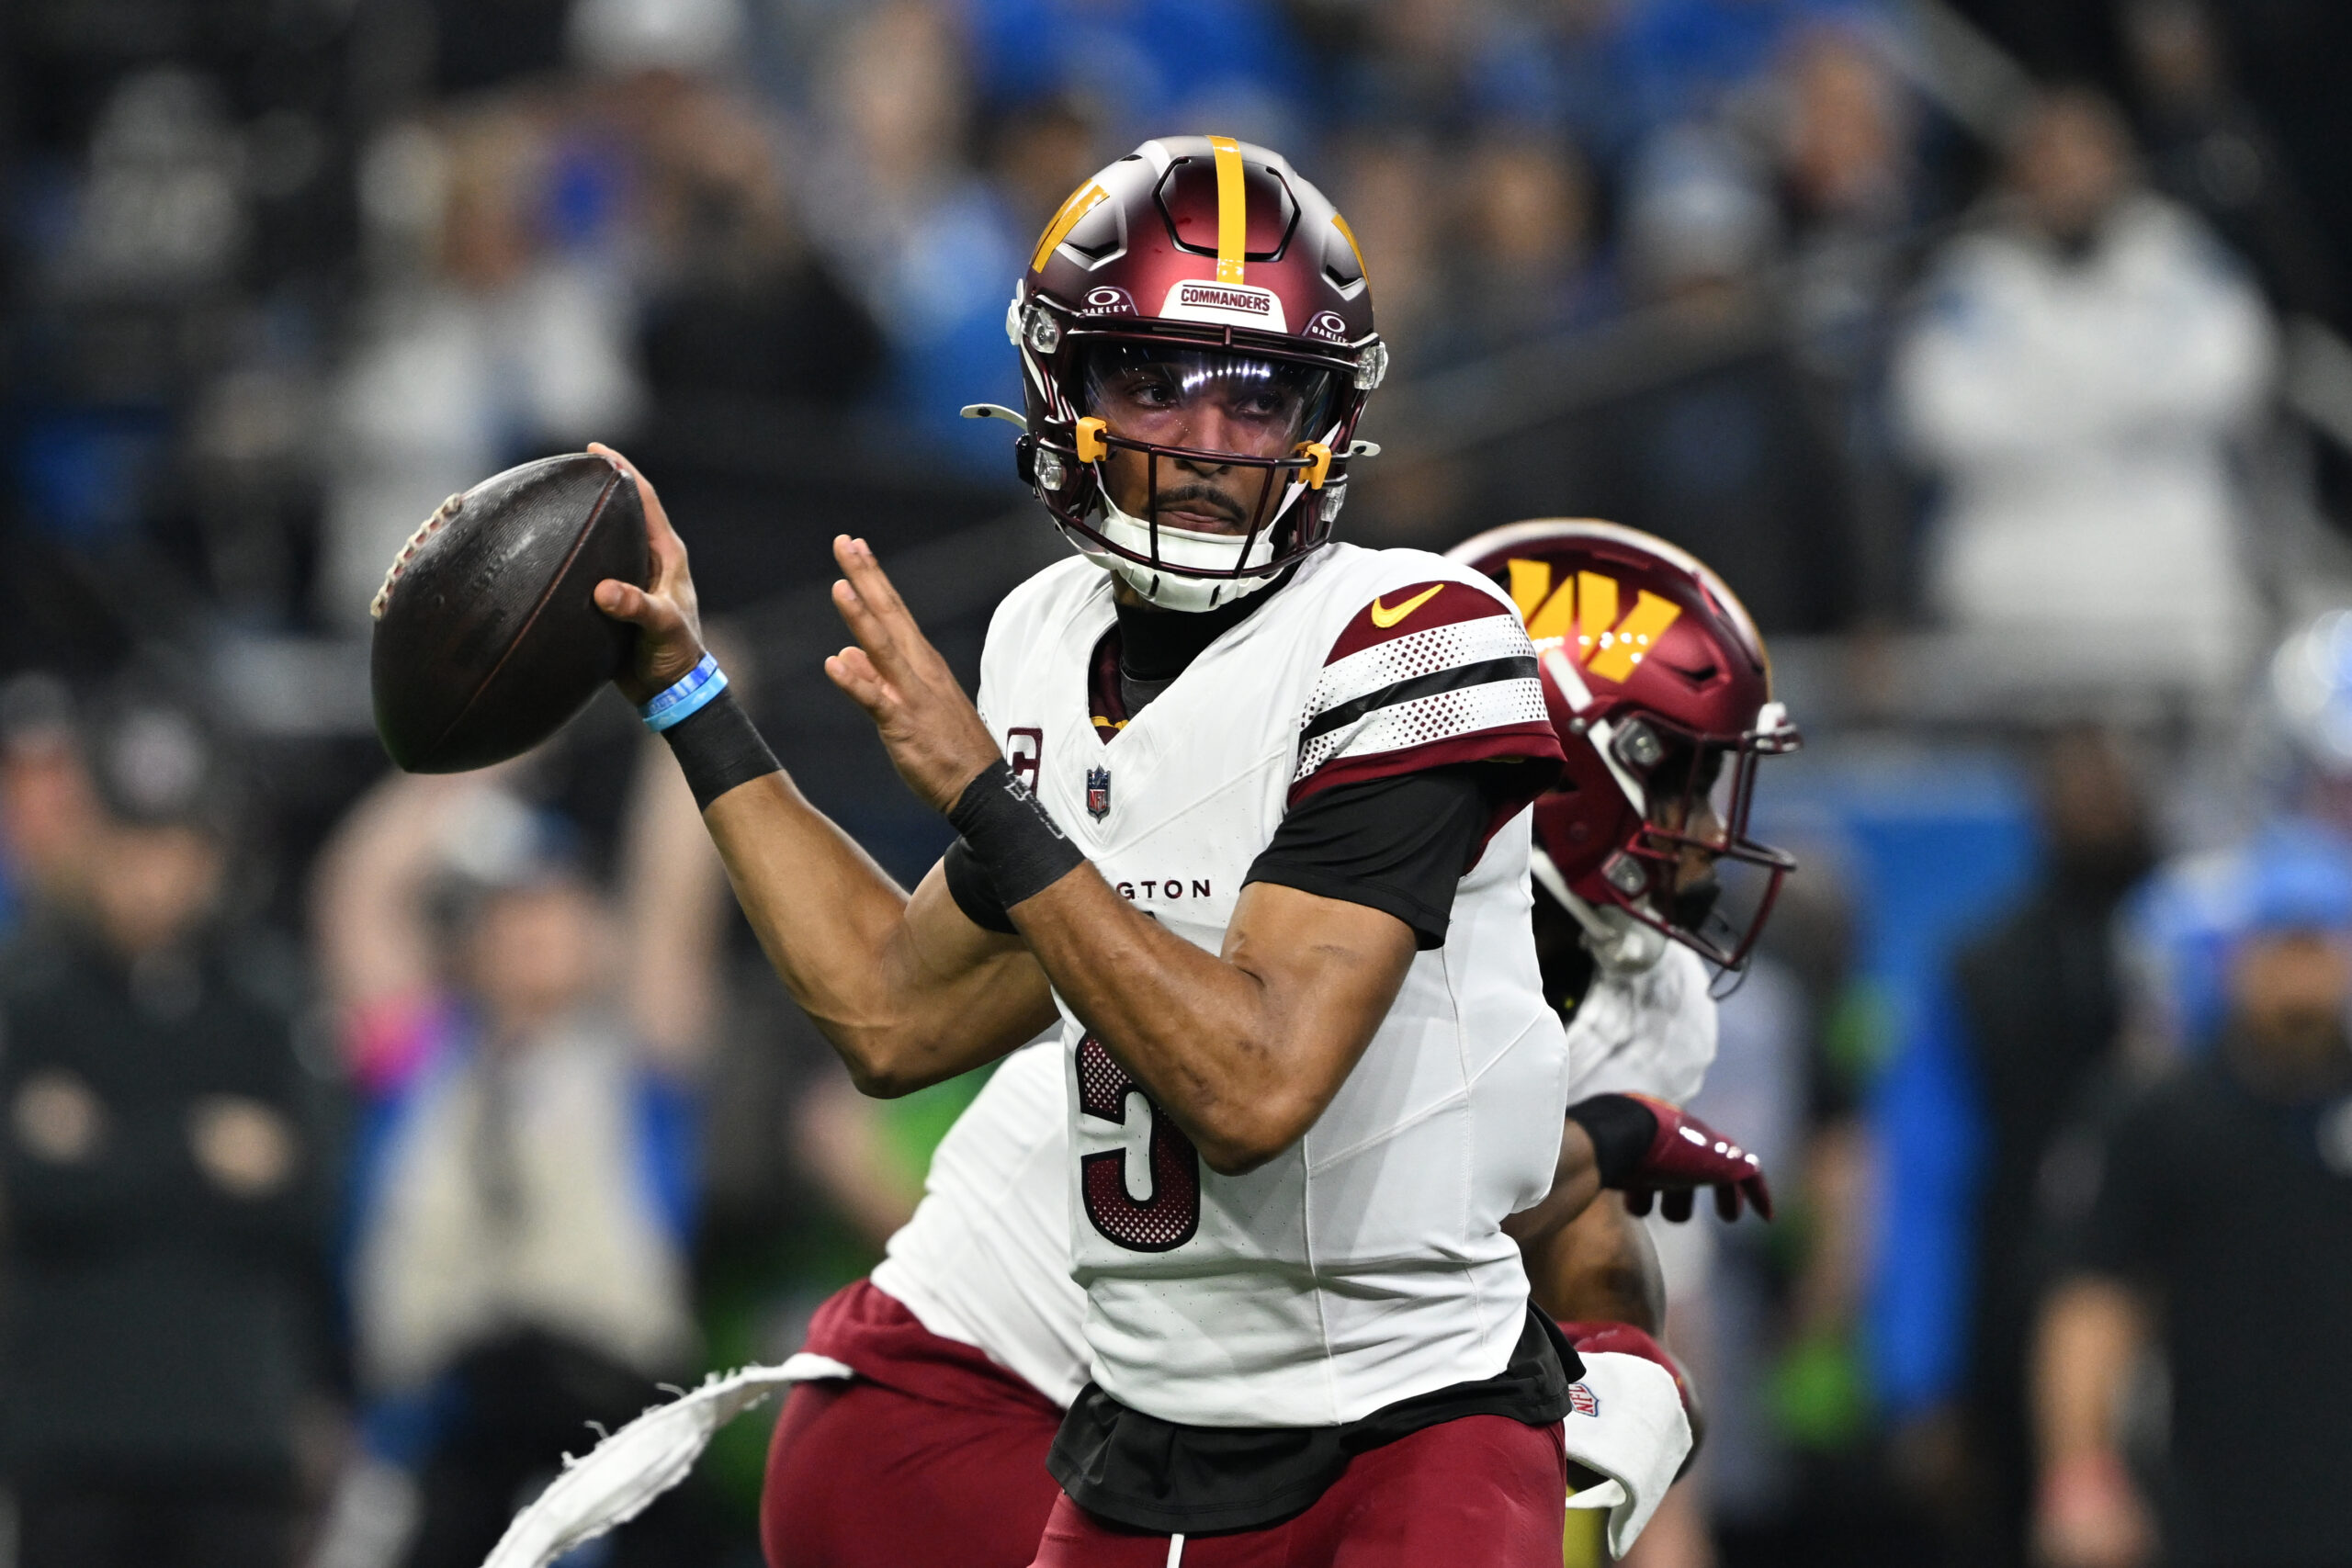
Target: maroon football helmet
[
  {"x": 1661, "y": 691},
  {"x": 1207, "y": 268}
]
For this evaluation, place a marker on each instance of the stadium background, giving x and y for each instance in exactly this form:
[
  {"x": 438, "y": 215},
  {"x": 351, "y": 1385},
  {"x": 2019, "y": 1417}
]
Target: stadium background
[{"x": 280, "y": 273}]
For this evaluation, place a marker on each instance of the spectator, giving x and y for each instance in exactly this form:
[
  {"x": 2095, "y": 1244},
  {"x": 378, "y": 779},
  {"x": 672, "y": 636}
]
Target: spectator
[
  {"x": 2083, "y": 362},
  {"x": 165, "y": 1162},
  {"x": 498, "y": 329},
  {"x": 2292, "y": 800},
  {"x": 739, "y": 308},
  {"x": 924, "y": 241},
  {"x": 2216, "y": 1237},
  {"x": 1853, "y": 197},
  {"x": 525, "y": 1184},
  {"x": 1687, "y": 60},
  {"x": 2039, "y": 1018},
  {"x": 2211, "y": 150},
  {"x": 1528, "y": 263},
  {"x": 1721, "y": 447},
  {"x": 48, "y": 810},
  {"x": 1848, "y": 184}
]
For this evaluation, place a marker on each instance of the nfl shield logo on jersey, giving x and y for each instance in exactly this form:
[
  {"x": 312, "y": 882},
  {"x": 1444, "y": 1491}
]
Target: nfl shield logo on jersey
[{"x": 1098, "y": 792}]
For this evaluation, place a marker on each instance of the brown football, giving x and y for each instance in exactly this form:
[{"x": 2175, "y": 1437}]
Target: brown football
[{"x": 487, "y": 637}]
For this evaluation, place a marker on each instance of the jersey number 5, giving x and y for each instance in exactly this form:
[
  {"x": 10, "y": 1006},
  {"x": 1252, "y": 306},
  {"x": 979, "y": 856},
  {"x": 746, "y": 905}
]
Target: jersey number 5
[{"x": 1169, "y": 1217}]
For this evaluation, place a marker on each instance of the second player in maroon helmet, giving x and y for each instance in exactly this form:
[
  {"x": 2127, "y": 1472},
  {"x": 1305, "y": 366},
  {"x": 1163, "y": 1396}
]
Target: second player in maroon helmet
[
  {"x": 1196, "y": 343},
  {"x": 1661, "y": 692}
]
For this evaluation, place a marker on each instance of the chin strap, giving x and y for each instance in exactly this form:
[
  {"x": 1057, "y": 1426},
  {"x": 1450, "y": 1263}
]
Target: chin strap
[{"x": 1618, "y": 942}]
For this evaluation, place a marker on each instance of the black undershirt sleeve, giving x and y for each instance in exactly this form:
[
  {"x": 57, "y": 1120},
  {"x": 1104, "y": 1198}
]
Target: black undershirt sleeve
[
  {"x": 1400, "y": 845},
  {"x": 969, "y": 884}
]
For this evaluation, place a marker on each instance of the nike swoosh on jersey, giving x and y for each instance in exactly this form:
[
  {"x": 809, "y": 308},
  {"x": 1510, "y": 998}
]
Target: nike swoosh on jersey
[{"x": 1384, "y": 617}]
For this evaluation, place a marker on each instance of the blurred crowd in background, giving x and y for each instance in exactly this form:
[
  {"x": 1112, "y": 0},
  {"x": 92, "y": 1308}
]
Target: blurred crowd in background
[{"x": 366, "y": 1141}]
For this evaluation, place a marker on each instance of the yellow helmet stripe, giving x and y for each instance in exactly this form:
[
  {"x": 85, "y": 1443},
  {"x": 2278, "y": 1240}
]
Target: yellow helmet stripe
[
  {"x": 1349, "y": 235},
  {"x": 1232, "y": 209},
  {"x": 1082, "y": 200}
]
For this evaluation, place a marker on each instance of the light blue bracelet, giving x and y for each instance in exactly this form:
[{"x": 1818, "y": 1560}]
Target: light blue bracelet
[{"x": 681, "y": 702}]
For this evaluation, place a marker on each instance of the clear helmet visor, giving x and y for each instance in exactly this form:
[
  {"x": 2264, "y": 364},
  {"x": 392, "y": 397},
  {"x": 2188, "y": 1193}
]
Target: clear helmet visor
[{"x": 1207, "y": 399}]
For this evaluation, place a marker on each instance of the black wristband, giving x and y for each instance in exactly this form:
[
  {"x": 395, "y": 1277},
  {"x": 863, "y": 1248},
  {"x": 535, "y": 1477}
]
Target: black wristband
[
  {"x": 719, "y": 748},
  {"x": 1015, "y": 838},
  {"x": 1621, "y": 1129}
]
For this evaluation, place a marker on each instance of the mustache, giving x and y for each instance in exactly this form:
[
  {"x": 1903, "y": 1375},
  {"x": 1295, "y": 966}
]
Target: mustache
[{"x": 1201, "y": 495}]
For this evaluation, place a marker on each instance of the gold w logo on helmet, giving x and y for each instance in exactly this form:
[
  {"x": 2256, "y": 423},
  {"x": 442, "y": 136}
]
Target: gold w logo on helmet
[{"x": 1582, "y": 617}]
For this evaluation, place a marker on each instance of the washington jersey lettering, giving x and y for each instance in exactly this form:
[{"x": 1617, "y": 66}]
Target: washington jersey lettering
[{"x": 1366, "y": 1264}]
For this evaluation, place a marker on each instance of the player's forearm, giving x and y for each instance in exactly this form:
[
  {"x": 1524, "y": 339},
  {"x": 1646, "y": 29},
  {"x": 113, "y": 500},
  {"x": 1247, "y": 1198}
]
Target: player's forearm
[
  {"x": 1600, "y": 1267},
  {"x": 2090, "y": 1332},
  {"x": 1239, "y": 1049},
  {"x": 834, "y": 927}
]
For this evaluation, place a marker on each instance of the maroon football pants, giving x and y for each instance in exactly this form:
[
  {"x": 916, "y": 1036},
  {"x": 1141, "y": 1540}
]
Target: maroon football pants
[
  {"x": 932, "y": 1455},
  {"x": 1484, "y": 1489}
]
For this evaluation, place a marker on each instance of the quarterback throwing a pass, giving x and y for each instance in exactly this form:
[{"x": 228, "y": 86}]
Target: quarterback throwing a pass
[{"x": 1242, "y": 808}]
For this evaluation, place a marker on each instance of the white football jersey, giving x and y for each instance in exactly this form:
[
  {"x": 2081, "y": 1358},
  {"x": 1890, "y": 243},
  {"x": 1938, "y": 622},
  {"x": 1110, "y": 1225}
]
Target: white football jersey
[
  {"x": 984, "y": 1260},
  {"x": 1649, "y": 1031},
  {"x": 1366, "y": 1264}
]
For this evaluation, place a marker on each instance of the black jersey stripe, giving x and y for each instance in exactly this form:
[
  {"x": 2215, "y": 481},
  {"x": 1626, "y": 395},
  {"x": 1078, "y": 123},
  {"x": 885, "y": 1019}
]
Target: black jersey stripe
[{"x": 1519, "y": 667}]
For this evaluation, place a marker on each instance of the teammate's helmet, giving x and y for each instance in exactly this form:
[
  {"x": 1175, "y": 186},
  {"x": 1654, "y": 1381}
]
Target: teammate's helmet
[
  {"x": 1194, "y": 266},
  {"x": 1655, "y": 678}
]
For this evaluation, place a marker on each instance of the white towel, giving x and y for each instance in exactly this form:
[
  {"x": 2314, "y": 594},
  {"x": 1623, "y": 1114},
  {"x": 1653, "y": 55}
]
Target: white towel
[
  {"x": 1627, "y": 1423},
  {"x": 617, "y": 1478}
]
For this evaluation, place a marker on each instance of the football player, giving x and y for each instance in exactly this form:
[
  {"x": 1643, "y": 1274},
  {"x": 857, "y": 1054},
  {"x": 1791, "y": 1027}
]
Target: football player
[
  {"x": 937, "y": 1385},
  {"x": 1244, "y": 807}
]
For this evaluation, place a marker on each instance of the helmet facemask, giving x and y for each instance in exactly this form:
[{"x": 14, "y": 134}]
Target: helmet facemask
[
  {"x": 1690, "y": 870},
  {"x": 1202, "y": 458}
]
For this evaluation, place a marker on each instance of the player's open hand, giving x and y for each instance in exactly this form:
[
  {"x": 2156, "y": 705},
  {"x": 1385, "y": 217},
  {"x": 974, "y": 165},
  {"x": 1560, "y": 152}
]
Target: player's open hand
[
  {"x": 932, "y": 732},
  {"x": 1686, "y": 1155},
  {"x": 668, "y": 619}
]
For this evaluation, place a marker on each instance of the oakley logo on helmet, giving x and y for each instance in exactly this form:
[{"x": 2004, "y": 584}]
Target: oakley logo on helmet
[
  {"x": 1109, "y": 301},
  {"x": 1327, "y": 325},
  {"x": 1587, "y": 604},
  {"x": 1236, "y": 304}
]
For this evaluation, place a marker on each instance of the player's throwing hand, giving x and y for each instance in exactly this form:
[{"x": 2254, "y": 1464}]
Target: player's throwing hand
[{"x": 668, "y": 619}]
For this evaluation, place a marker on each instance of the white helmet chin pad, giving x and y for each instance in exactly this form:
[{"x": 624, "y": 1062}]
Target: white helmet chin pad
[{"x": 1180, "y": 549}]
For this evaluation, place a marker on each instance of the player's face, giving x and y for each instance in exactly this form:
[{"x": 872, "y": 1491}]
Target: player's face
[
  {"x": 1685, "y": 804},
  {"x": 1210, "y": 401}
]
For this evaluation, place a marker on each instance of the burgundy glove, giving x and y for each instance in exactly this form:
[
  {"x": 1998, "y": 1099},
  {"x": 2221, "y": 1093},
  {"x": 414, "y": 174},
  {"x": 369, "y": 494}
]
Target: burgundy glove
[
  {"x": 1686, "y": 1155},
  {"x": 1646, "y": 1147}
]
